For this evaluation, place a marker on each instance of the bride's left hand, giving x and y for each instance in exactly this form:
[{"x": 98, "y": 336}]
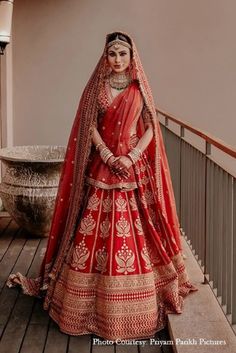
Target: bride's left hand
[{"x": 121, "y": 165}]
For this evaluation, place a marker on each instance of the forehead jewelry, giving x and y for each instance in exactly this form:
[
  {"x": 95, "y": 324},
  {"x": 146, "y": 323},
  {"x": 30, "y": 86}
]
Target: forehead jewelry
[{"x": 117, "y": 42}]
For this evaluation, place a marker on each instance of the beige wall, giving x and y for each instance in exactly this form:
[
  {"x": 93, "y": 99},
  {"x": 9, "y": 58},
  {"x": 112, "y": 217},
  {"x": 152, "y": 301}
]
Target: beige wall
[{"x": 188, "y": 50}]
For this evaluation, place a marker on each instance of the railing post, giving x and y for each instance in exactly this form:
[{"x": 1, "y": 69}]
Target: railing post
[
  {"x": 207, "y": 153},
  {"x": 234, "y": 252},
  {"x": 182, "y": 131},
  {"x": 166, "y": 121}
]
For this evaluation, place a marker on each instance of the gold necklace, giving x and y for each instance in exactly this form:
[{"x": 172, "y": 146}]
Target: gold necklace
[{"x": 119, "y": 81}]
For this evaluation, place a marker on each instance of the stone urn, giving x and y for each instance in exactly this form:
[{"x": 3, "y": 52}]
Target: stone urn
[{"x": 30, "y": 180}]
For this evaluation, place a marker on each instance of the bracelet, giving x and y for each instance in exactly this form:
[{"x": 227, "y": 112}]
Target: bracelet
[
  {"x": 131, "y": 158},
  {"x": 105, "y": 154},
  {"x": 135, "y": 154}
]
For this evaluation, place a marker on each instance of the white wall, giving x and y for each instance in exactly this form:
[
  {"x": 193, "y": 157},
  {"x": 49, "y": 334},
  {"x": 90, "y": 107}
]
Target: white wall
[{"x": 188, "y": 50}]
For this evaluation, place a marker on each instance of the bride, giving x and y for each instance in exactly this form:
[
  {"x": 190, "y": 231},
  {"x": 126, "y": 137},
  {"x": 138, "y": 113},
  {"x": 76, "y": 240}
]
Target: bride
[{"x": 113, "y": 263}]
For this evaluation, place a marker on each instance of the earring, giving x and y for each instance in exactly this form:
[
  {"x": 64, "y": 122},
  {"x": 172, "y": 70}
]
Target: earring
[
  {"x": 108, "y": 68},
  {"x": 131, "y": 70}
]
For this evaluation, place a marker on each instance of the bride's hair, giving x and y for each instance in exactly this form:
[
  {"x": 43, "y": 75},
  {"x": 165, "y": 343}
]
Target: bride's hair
[{"x": 123, "y": 37}]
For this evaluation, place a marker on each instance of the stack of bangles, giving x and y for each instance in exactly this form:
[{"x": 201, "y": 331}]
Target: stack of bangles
[
  {"x": 135, "y": 154},
  {"x": 105, "y": 153}
]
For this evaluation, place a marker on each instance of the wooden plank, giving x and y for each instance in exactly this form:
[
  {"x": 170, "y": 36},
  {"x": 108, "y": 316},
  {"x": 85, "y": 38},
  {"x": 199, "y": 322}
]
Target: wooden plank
[
  {"x": 57, "y": 342},
  {"x": 35, "y": 341},
  {"x": 39, "y": 315},
  {"x": 38, "y": 325},
  {"x": 8, "y": 231},
  {"x": 8, "y": 296},
  {"x": 4, "y": 223},
  {"x": 37, "y": 330},
  {"x": 10, "y": 257},
  {"x": 81, "y": 344},
  {"x": 15, "y": 330}
]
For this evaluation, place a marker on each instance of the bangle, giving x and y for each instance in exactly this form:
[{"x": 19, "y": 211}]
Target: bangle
[
  {"x": 105, "y": 154},
  {"x": 135, "y": 154},
  {"x": 131, "y": 158}
]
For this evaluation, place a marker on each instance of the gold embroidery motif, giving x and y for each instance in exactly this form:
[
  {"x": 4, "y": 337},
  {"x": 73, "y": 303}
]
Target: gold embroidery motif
[
  {"x": 125, "y": 260},
  {"x": 154, "y": 219},
  {"x": 101, "y": 257},
  {"x": 121, "y": 204},
  {"x": 107, "y": 204},
  {"x": 80, "y": 256},
  {"x": 145, "y": 256},
  {"x": 133, "y": 203},
  {"x": 143, "y": 181},
  {"x": 149, "y": 197},
  {"x": 123, "y": 227},
  {"x": 87, "y": 225},
  {"x": 93, "y": 203},
  {"x": 155, "y": 259},
  {"x": 138, "y": 225},
  {"x": 105, "y": 227}
]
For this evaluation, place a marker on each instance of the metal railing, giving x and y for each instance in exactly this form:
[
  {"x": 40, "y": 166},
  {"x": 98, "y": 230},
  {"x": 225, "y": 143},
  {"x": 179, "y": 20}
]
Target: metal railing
[{"x": 205, "y": 195}]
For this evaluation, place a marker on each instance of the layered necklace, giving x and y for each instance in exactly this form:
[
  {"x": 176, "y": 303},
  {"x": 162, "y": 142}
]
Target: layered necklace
[{"x": 119, "y": 81}]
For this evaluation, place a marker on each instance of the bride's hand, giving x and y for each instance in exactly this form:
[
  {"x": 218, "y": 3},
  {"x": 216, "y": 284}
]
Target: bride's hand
[
  {"x": 122, "y": 162},
  {"x": 111, "y": 160},
  {"x": 120, "y": 166}
]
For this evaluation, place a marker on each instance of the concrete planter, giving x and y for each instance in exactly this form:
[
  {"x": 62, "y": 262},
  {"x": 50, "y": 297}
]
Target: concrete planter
[{"x": 29, "y": 185}]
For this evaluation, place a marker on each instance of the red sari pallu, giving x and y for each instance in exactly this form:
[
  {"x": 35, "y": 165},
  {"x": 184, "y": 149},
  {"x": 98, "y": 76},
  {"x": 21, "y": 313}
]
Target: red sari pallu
[{"x": 120, "y": 270}]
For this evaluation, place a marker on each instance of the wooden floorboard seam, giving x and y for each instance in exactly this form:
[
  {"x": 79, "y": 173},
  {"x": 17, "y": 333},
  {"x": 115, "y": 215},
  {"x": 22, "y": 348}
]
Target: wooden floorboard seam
[
  {"x": 11, "y": 268},
  {"x": 22, "y": 342},
  {"x": 4, "y": 239},
  {"x": 25, "y": 269}
]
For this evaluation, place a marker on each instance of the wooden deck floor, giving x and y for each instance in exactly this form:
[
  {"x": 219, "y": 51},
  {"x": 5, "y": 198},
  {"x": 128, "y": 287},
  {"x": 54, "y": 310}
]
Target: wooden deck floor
[{"x": 24, "y": 326}]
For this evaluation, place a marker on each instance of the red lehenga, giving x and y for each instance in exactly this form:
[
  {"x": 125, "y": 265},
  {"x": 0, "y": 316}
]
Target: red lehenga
[{"x": 119, "y": 269}]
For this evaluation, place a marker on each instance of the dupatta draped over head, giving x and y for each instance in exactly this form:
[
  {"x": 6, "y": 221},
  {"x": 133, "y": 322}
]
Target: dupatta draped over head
[{"x": 68, "y": 204}]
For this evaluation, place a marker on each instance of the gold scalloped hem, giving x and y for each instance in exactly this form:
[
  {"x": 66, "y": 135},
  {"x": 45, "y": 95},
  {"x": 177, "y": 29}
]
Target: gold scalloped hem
[
  {"x": 113, "y": 307},
  {"x": 114, "y": 334}
]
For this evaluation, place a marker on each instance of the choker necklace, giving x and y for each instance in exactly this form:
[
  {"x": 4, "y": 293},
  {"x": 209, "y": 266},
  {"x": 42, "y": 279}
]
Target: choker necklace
[{"x": 119, "y": 81}]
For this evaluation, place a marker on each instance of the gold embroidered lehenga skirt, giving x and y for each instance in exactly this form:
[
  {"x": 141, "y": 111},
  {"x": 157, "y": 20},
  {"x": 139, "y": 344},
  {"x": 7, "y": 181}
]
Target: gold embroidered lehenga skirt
[{"x": 123, "y": 272}]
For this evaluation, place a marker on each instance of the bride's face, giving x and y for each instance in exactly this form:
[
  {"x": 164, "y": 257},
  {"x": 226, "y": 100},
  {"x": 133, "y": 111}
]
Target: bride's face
[{"x": 118, "y": 57}]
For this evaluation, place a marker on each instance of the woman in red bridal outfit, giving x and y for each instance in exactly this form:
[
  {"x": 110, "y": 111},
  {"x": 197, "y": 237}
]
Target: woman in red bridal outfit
[{"x": 113, "y": 263}]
